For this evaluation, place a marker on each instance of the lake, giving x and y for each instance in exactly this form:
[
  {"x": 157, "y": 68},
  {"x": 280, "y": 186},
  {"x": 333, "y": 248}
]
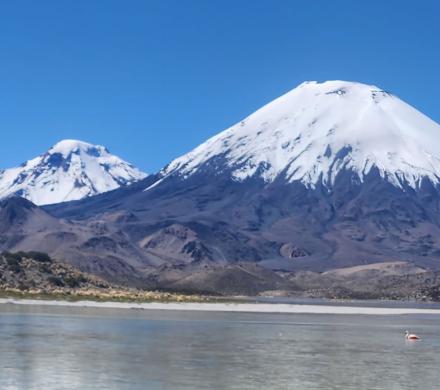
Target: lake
[{"x": 43, "y": 347}]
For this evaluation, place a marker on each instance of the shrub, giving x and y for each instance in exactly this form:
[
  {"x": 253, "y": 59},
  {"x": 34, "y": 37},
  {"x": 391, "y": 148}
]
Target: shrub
[
  {"x": 39, "y": 256},
  {"x": 44, "y": 268},
  {"x": 55, "y": 281},
  {"x": 12, "y": 257},
  {"x": 14, "y": 267},
  {"x": 71, "y": 282},
  {"x": 13, "y": 262}
]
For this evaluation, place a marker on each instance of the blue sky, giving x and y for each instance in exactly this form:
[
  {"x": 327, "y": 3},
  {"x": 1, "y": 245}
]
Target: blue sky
[{"x": 152, "y": 79}]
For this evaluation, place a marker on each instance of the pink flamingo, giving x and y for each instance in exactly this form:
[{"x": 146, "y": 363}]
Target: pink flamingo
[{"x": 411, "y": 336}]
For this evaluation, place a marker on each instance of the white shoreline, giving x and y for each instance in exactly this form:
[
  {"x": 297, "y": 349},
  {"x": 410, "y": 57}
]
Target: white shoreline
[{"x": 228, "y": 307}]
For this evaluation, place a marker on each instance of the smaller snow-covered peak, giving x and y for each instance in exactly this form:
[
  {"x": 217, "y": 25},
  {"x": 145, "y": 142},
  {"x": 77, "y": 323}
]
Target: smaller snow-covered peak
[
  {"x": 70, "y": 170},
  {"x": 316, "y": 130}
]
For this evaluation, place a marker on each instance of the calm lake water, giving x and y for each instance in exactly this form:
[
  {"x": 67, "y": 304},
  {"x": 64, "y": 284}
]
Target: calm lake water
[{"x": 74, "y": 348}]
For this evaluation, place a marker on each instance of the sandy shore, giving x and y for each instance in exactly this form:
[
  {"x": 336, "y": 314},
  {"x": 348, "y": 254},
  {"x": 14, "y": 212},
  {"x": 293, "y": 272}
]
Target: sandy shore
[{"x": 229, "y": 307}]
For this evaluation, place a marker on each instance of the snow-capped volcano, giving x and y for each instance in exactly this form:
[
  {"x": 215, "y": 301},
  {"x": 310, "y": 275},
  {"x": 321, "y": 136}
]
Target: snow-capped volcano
[
  {"x": 316, "y": 130},
  {"x": 70, "y": 170}
]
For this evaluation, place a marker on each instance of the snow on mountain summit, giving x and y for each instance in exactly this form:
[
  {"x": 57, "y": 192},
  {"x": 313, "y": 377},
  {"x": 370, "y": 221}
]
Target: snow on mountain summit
[
  {"x": 70, "y": 170},
  {"x": 316, "y": 130}
]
